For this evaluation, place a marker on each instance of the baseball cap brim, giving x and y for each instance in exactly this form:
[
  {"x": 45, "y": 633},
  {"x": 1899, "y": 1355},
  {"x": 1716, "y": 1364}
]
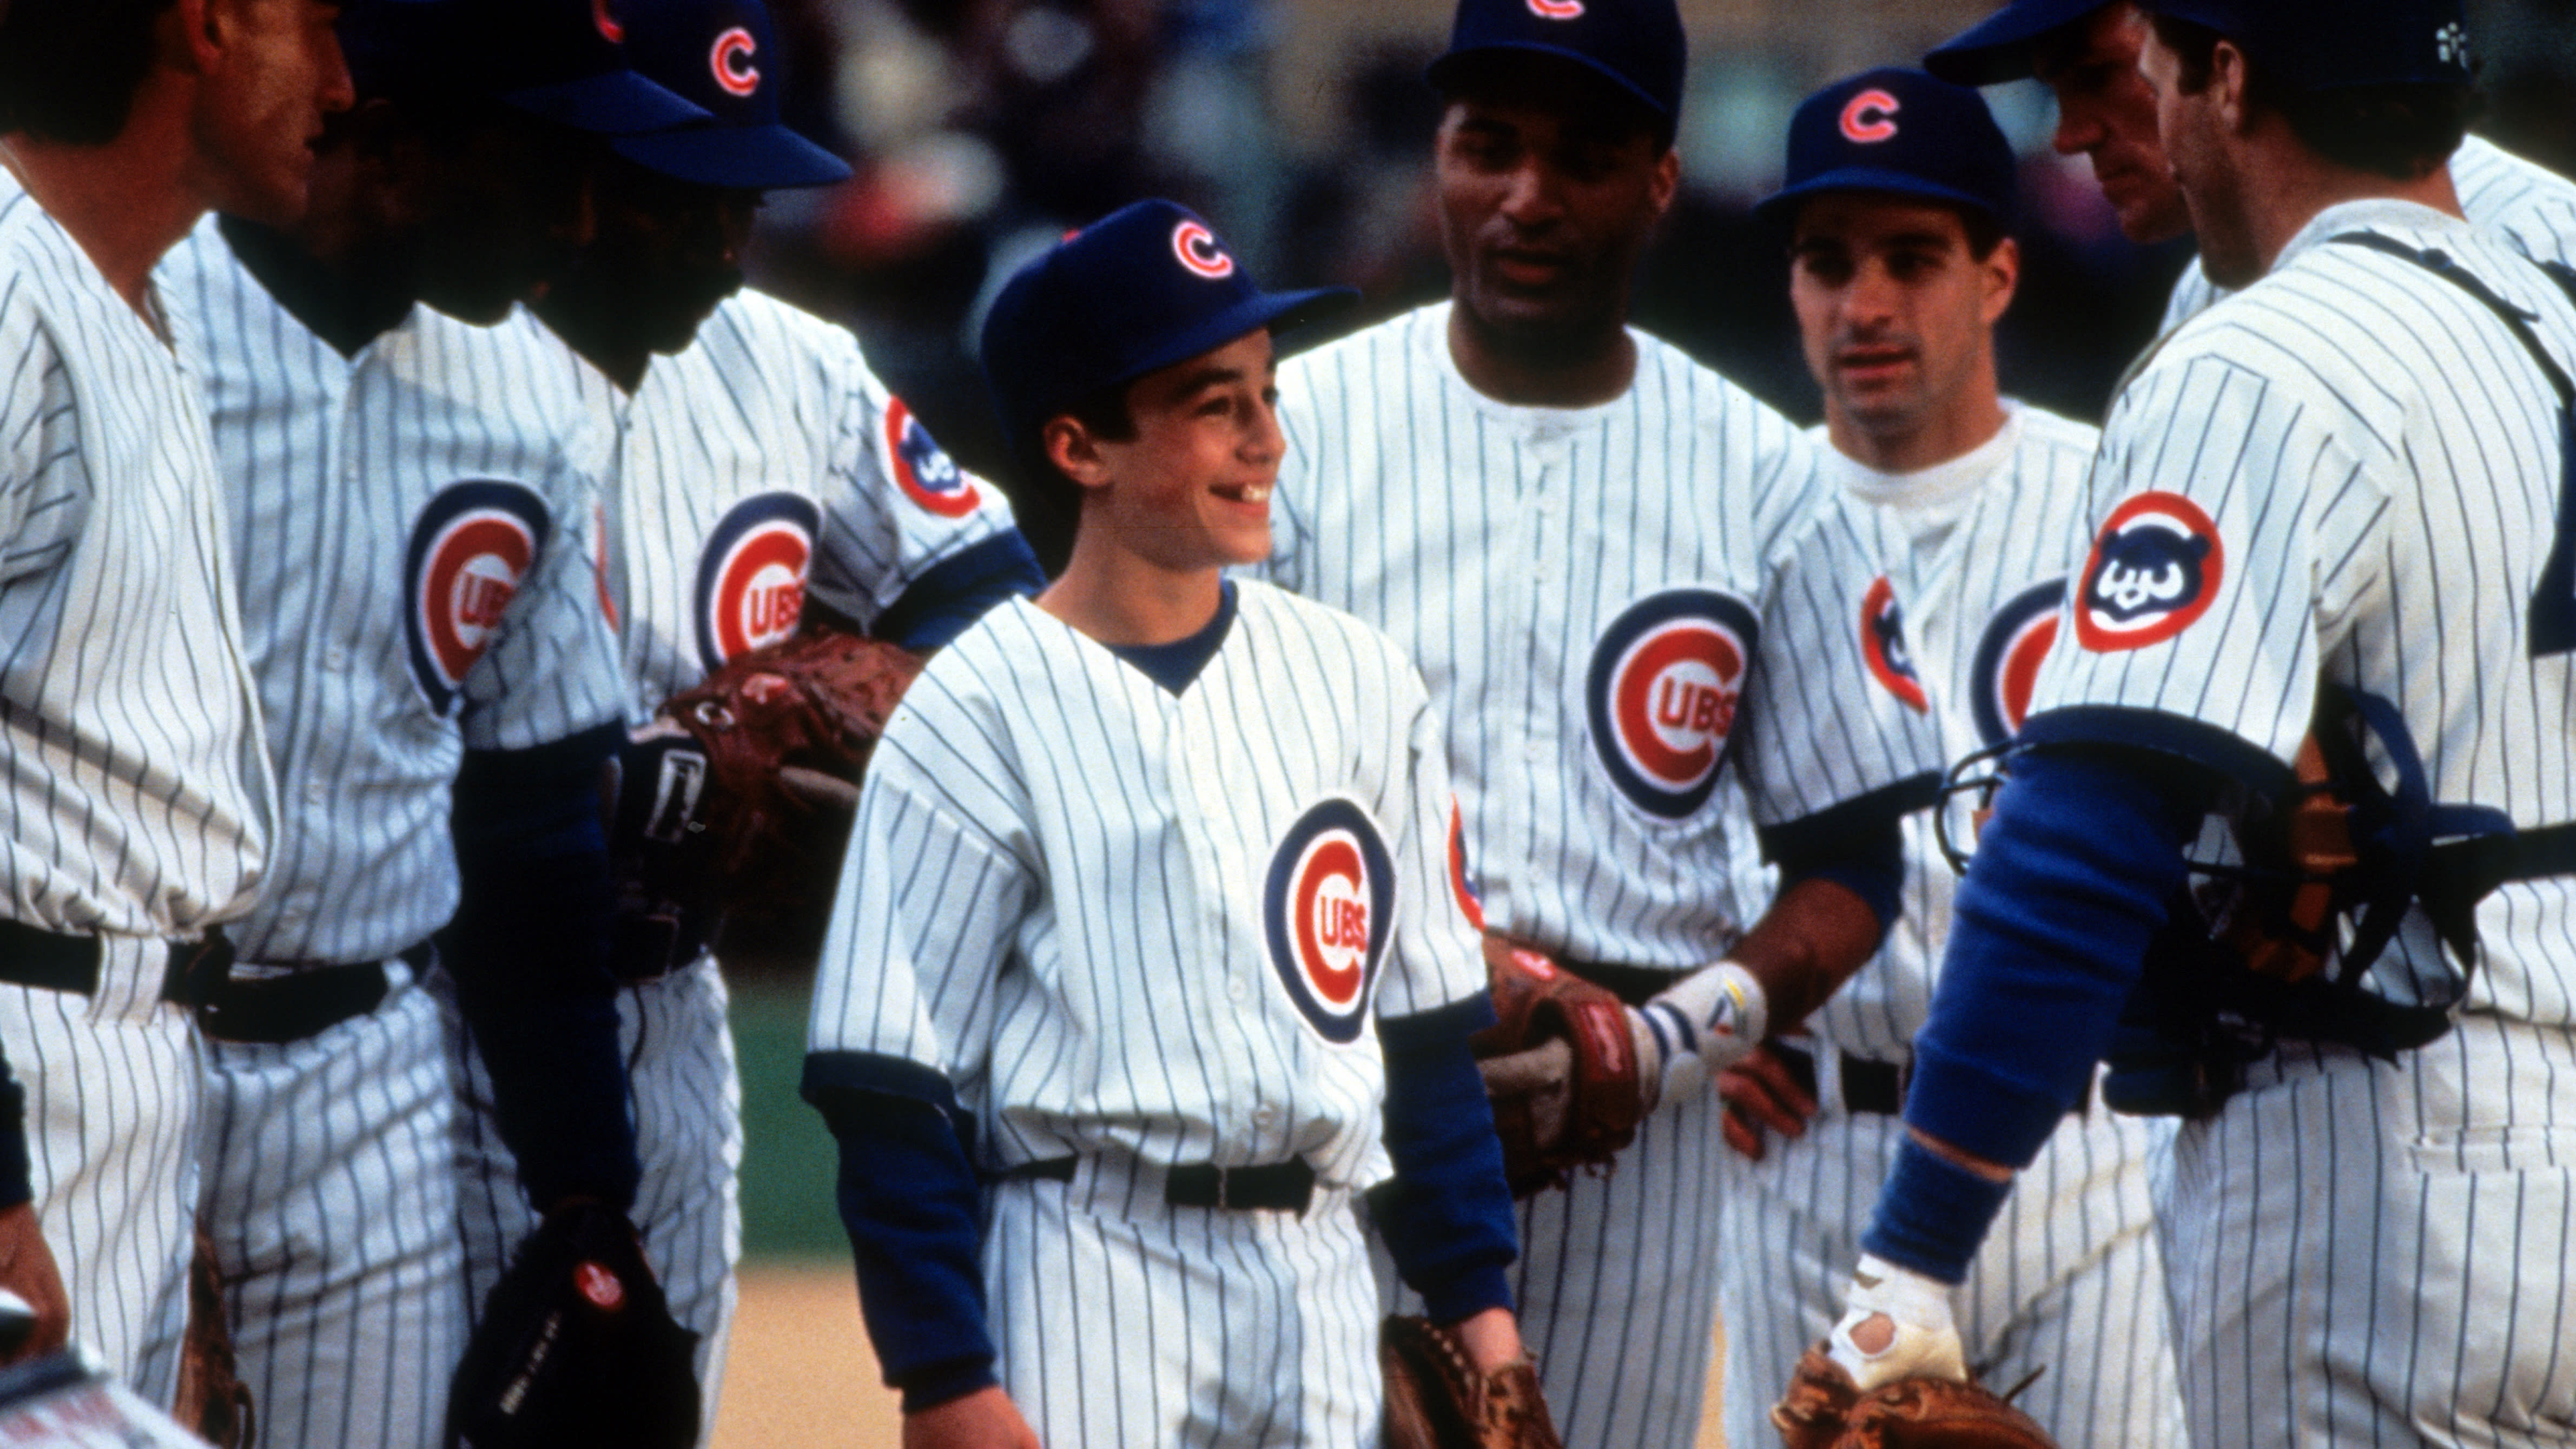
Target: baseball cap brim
[
  {"x": 612, "y": 103},
  {"x": 1443, "y": 71},
  {"x": 754, "y": 158},
  {"x": 1778, "y": 206},
  {"x": 1277, "y": 311},
  {"x": 2000, "y": 47}
]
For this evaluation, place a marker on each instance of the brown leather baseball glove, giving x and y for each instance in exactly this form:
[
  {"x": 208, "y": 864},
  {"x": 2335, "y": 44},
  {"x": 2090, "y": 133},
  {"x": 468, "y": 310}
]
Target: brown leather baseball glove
[
  {"x": 1436, "y": 1398},
  {"x": 1568, "y": 1106},
  {"x": 1824, "y": 1410},
  {"x": 211, "y": 1399},
  {"x": 735, "y": 803}
]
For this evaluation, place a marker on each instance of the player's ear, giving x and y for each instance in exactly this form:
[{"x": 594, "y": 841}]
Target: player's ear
[
  {"x": 1666, "y": 182},
  {"x": 1074, "y": 451},
  {"x": 2227, "y": 86},
  {"x": 195, "y": 33},
  {"x": 2002, "y": 269}
]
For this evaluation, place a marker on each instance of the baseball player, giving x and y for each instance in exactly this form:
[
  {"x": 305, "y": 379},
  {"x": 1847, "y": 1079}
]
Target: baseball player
[
  {"x": 1623, "y": 579},
  {"x": 139, "y": 801},
  {"x": 760, "y": 462},
  {"x": 412, "y": 499},
  {"x": 2364, "y": 1241},
  {"x": 1895, "y": 210},
  {"x": 1177, "y": 972}
]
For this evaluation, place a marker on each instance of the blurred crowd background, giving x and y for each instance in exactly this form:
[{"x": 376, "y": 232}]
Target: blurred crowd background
[{"x": 984, "y": 129}]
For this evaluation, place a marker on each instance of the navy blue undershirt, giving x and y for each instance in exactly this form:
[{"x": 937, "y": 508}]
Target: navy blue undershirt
[{"x": 1174, "y": 665}]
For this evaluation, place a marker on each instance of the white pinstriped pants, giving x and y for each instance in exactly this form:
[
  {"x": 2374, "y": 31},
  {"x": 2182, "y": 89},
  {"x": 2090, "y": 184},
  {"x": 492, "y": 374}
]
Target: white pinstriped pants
[
  {"x": 112, "y": 1102},
  {"x": 1195, "y": 1328},
  {"x": 330, "y": 1197},
  {"x": 688, "y": 1130},
  {"x": 2069, "y": 1284}
]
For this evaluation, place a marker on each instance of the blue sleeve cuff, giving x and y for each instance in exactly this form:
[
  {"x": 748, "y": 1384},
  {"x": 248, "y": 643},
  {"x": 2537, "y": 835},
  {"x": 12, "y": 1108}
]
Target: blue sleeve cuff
[
  {"x": 1446, "y": 1218},
  {"x": 1933, "y": 1214},
  {"x": 930, "y": 1387},
  {"x": 1870, "y": 866},
  {"x": 2170, "y": 735},
  {"x": 1470, "y": 1293},
  {"x": 1828, "y": 832},
  {"x": 955, "y": 592}
]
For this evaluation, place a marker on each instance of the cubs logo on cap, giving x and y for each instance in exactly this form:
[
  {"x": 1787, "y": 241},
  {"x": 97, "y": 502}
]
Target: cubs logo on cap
[
  {"x": 606, "y": 19},
  {"x": 1662, "y": 692},
  {"x": 469, "y": 549},
  {"x": 923, "y": 470},
  {"x": 1899, "y": 133},
  {"x": 2154, "y": 569},
  {"x": 751, "y": 576},
  {"x": 1557, "y": 9},
  {"x": 1197, "y": 248},
  {"x": 1462, "y": 881},
  {"x": 1882, "y": 644},
  {"x": 731, "y": 59},
  {"x": 1328, "y": 908},
  {"x": 2006, "y": 668},
  {"x": 1870, "y": 117}
]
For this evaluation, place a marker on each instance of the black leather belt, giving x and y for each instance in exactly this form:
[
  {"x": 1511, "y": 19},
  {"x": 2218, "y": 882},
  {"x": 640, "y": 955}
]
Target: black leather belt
[
  {"x": 34, "y": 957},
  {"x": 275, "y": 1010},
  {"x": 1870, "y": 1086},
  {"x": 1273, "y": 1187}
]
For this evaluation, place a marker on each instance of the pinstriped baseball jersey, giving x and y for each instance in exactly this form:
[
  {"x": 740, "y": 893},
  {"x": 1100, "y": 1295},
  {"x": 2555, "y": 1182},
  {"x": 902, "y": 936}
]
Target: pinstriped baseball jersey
[
  {"x": 1977, "y": 550},
  {"x": 138, "y": 796},
  {"x": 1611, "y": 605},
  {"x": 2531, "y": 207},
  {"x": 2284, "y": 492},
  {"x": 417, "y": 524},
  {"x": 766, "y": 449},
  {"x": 1124, "y": 921}
]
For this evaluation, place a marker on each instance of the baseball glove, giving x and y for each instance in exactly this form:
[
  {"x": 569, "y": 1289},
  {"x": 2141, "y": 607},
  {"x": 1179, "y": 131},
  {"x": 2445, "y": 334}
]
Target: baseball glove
[
  {"x": 734, "y": 805},
  {"x": 1824, "y": 1410},
  {"x": 576, "y": 1348},
  {"x": 1582, "y": 1117},
  {"x": 211, "y": 1401},
  {"x": 1436, "y": 1398}
]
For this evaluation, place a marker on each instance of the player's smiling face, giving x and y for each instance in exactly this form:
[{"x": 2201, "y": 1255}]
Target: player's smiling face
[
  {"x": 1895, "y": 309},
  {"x": 279, "y": 72},
  {"x": 1190, "y": 489},
  {"x": 664, "y": 254},
  {"x": 2107, "y": 112},
  {"x": 1548, "y": 192}
]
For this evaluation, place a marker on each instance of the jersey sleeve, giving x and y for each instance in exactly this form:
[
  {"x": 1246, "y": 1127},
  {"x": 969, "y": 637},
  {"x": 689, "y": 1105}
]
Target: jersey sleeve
[
  {"x": 2193, "y": 624},
  {"x": 43, "y": 489},
  {"x": 1438, "y": 958},
  {"x": 895, "y": 505},
  {"x": 1835, "y": 722},
  {"x": 552, "y": 670},
  {"x": 932, "y": 895}
]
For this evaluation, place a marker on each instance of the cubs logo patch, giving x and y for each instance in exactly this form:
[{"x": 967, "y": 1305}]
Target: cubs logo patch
[
  {"x": 2154, "y": 569},
  {"x": 1196, "y": 246},
  {"x": 606, "y": 20},
  {"x": 751, "y": 577},
  {"x": 1462, "y": 881},
  {"x": 469, "y": 549},
  {"x": 925, "y": 473},
  {"x": 1328, "y": 908},
  {"x": 1870, "y": 118},
  {"x": 1882, "y": 644},
  {"x": 2006, "y": 669},
  {"x": 1557, "y": 9},
  {"x": 731, "y": 57},
  {"x": 1662, "y": 692}
]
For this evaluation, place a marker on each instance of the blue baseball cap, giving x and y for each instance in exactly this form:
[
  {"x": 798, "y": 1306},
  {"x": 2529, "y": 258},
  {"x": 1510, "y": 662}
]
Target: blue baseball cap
[
  {"x": 1637, "y": 45},
  {"x": 723, "y": 56},
  {"x": 1900, "y": 132},
  {"x": 1145, "y": 287},
  {"x": 558, "y": 60},
  {"x": 2002, "y": 47},
  {"x": 2309, "y": 45}
]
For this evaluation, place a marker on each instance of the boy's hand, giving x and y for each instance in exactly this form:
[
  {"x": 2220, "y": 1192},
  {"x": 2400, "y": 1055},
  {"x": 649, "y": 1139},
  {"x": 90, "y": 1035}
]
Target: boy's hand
[{"x": 984, "y": 1419}]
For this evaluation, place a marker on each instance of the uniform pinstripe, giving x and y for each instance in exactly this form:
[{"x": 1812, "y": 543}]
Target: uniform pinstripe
[
  {"x": 1066, "y": 893},
  {"x": 1532, "y": 561},
  {"x": 138, "y": 796},
  {"x": 764, "y": 460},
  {"x": 2531, "y": 207},
  {"x": 414, "y": 527},
  {"x": 2363, "y": 1252},
  {"x": 2070, "y": 1281}
]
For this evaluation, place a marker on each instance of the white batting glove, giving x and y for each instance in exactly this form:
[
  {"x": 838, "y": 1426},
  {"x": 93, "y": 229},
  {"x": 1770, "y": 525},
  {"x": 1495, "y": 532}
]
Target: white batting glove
[
  {"x": 1907, "y": 1317},
  {"x": 1694, "y": 1028}
]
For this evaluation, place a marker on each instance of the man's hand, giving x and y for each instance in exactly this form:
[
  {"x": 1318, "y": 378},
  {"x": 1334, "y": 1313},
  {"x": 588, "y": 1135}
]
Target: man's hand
[
  {"x": 1762, "y": 1095},
  {"x": 984, "y": 1419},
  {"x": 27, "y": 1269},
  {"x": 1493, "y": 1339}
]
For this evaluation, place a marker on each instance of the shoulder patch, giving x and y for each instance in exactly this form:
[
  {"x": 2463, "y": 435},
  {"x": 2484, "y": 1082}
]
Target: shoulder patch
[
  {"x": 751, "y": 576},
  {"x": 2006, "y": 668},
  {"x": 1662, "y": 692},
  {"x": 925, "y": 473},
  {"x": 469, "y": 550},
  {"x": 1328, "y": 908},
  {"x": 2153, "y": 571},
  {"x": 1882, "y": 644}
]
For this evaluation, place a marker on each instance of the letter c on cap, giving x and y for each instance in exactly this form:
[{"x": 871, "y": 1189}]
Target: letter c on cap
[{"x": 1870, "y": 118}]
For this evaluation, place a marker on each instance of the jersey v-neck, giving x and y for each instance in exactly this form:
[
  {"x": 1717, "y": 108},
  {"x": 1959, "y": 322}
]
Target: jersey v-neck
[{"x": 1176, "y": 664}]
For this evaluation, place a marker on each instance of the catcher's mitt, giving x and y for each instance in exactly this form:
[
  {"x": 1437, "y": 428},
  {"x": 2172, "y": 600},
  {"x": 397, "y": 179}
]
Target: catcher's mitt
[
  {"x": 212, "y": 1401},
  {"x": 735, "y": 803},
  {"x": 1537, "y": 1002},
  {"x": 1437, "y": 1399},
  {"x": 1824, "y": 1410},
  {"x": 576, "y": 1348}
]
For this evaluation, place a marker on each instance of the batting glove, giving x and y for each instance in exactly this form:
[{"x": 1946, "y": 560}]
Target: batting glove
[
  {"x": 1923, "y": 1343},
  {"x": 1698, "y": 1026}
]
